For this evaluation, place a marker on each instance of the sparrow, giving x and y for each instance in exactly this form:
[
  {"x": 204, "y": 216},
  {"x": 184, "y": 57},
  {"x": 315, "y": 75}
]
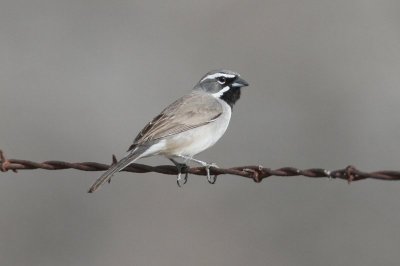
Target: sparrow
[{"x": 188, "y": 126}]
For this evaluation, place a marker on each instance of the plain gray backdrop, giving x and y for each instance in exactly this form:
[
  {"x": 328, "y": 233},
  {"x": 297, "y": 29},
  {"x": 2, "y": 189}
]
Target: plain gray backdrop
[{"x": 79, "y": 79}]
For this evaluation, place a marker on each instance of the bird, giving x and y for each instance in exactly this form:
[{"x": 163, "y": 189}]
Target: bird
[{"x": 188, "y": 126}]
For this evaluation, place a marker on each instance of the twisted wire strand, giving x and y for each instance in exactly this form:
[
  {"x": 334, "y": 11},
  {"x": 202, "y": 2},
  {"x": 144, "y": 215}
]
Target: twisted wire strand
[{"x": 255, "y": 172}]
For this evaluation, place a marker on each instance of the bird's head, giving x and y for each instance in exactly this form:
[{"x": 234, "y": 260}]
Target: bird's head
[{"x": 222, "y": 84}]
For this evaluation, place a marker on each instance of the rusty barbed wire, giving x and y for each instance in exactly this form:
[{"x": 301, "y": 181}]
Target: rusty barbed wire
[{"x": 255, "y": 172}]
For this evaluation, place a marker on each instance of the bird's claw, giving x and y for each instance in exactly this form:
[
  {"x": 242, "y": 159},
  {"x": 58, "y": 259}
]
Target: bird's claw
[
  {"x": 210, "y": 179},
  {"x": 179, "y": 180}
]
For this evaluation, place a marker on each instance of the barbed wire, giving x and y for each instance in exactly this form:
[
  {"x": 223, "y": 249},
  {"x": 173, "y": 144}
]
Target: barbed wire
[{"x": 255, "y": 172}]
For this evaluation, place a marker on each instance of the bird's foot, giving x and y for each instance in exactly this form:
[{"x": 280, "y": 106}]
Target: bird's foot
[
  {"x": 182, "y": 168},
  {"x": 207, "y": 166},
  {"x": 210, "y": 179}
]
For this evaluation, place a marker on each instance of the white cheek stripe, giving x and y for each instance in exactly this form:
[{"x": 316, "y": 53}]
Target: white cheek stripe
[
  {"x": 221, "y": 92},
  {"x": 217, "y": 75}
]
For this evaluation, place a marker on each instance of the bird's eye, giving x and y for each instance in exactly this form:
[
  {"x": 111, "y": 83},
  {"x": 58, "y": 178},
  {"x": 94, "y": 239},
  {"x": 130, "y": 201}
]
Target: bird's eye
[{"x": 221, "y": 80}]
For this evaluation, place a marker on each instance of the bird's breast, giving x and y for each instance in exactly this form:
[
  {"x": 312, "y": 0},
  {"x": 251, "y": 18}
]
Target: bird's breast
[{"x": 196, "y": 140}]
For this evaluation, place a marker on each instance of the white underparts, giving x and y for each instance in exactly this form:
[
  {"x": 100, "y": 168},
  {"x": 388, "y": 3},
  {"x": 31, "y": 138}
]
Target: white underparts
[{"x": 154, "y": 149}]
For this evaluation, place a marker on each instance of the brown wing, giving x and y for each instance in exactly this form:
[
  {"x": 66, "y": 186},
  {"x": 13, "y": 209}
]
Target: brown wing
[{"x": 190, "y": 111}]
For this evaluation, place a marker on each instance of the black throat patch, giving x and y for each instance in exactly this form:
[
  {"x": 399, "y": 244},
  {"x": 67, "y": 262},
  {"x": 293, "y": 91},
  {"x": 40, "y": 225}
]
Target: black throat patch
[{"x": 231, "y": 96}]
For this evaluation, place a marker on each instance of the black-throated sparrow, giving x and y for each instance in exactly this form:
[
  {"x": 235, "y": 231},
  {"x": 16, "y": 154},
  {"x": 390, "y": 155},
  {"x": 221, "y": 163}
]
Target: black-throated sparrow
[{"x": 187, "y": 127}]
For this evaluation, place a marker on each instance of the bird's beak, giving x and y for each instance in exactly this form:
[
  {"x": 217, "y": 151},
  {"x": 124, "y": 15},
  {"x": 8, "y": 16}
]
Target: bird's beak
[{"x": 239, "y": 82}]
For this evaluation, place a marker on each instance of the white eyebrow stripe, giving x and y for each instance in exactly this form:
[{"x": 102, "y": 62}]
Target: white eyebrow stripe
[
  {"x": 218, "y": 75},
  {"x": 221, "y": 92}
]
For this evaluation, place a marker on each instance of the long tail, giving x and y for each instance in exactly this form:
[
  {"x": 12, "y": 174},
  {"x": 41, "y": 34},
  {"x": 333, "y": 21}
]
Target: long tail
[{"x": 123, "y": 163}]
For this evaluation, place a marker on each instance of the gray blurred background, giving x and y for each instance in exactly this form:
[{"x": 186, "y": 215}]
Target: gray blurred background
[{"x": 79, "y": 79}]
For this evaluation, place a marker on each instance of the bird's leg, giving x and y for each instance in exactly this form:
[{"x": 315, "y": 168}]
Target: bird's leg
[
  {"x": 207, "y": 166},
  {"x": 182, "y": 167}
]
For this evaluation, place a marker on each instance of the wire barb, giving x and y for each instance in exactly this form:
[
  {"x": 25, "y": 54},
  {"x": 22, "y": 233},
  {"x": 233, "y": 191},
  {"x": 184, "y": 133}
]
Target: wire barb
[{"x": 255, "y": 172}]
